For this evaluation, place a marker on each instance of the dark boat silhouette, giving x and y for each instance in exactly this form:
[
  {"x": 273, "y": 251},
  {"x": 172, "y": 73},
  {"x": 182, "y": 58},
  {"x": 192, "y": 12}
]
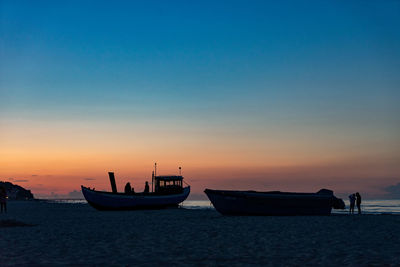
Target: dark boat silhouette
[
  {"x": 168, "y": 192},
  {"x": 229, "y": 202}
]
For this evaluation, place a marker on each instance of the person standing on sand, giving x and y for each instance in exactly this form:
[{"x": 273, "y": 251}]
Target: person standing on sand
[
  {"x": 358, "y": 202},
  {"x": 3, "y": 200},
  {"x": 146, "y": 188},
  {"x": 352, "y": 198}
]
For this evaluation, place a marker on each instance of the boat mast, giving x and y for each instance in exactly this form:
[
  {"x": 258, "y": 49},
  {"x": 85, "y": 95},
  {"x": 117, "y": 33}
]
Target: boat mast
[
  {"x": 154, "y": 175},
  {"x": 112, "y": 181}
]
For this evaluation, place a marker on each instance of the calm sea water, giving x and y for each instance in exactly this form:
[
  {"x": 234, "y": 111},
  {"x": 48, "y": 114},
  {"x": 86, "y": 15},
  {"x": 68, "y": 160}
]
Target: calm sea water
[
  {"x": 382, "y": 206},
  {"x": 378, "y": 206}
]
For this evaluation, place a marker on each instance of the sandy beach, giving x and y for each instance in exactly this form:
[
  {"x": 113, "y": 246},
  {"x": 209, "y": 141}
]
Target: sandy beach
[{"x": 76, "y": 234}]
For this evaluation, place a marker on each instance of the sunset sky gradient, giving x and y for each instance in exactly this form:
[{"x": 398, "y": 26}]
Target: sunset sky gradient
[{"x": 242, "y": 94}]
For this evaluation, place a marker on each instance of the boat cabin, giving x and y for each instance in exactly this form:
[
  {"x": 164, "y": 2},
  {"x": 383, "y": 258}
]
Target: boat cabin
[{"x": 168, "y": 184}]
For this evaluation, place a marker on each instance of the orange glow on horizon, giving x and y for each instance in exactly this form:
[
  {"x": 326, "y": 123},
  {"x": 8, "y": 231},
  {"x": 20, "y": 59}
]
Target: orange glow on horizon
[{"x": 60, "y": 158}]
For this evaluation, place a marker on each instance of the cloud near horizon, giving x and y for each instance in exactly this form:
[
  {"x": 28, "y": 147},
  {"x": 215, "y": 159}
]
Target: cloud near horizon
[
  {"x": 75, "y": 194},
  {"x": 393, "y": 191}
]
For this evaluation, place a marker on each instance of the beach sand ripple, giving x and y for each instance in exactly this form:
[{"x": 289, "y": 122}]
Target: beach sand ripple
[{"x": 74, "y": 234}]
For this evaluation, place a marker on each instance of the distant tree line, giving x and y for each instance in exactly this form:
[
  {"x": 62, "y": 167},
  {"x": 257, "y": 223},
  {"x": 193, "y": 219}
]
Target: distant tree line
[{"x": 16, "y": 192}]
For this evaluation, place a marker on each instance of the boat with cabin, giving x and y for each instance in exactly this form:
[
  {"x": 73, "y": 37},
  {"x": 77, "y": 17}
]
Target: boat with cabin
[
  {"x": 230, "y": 202},
  {"x": 166, "y": 191}
]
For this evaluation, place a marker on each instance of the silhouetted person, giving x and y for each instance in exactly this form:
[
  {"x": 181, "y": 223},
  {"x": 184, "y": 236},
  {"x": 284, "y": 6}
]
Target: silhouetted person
[
  {"x": 128, "y": 188},
  {"x": 146, "y": 188},
  {"x": 358, "y": 202},
  {"x": 352, "y": 198},
  {"x": 3, "y": 199}
]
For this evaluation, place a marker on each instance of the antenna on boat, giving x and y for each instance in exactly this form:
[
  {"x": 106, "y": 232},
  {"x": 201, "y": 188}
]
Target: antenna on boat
[
  {"x": 152, "y": 181},
  {"x": 180, "y": 171}
]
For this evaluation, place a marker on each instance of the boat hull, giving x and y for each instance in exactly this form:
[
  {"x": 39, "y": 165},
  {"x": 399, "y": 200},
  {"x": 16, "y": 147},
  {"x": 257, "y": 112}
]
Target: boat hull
[
  {"x": 110, "y": 201},
  {"x": 271, "y": 203}
]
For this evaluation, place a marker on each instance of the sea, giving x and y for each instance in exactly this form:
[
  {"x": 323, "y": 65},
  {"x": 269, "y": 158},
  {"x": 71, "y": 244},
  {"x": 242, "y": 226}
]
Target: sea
[{"x": 379, "y": 206}]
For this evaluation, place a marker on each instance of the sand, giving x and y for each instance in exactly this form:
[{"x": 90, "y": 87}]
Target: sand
[{"x": 76, "y": 234}]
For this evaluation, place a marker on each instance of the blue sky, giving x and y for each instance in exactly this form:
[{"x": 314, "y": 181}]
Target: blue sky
[
  {"x": 98, "y": 52},
  {"x": 331, "y": 61}
]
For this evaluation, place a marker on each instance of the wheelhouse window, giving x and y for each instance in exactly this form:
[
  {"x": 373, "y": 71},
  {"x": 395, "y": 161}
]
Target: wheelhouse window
[{"x": 168, "y": 184}]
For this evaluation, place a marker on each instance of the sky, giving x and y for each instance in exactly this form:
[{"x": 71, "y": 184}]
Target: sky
[{"x": 262, "y": 95}]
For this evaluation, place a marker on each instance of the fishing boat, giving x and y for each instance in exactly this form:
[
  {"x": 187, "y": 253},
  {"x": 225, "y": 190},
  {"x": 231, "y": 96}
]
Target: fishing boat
[
  {"x": 229, "y": 202},
  {"x": 168, "y": 191}
]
